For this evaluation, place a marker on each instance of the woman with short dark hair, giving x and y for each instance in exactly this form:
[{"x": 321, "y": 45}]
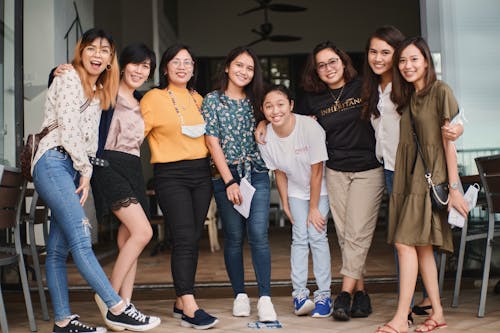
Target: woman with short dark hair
[{"x": 175, "y": 130}]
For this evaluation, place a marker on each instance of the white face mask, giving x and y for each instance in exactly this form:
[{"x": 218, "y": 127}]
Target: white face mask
[{"x": 193, "y": 131}]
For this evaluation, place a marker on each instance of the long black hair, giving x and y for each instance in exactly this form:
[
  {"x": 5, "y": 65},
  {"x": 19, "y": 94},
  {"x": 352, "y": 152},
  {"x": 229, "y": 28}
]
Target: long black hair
[
  {"x": 168, "y": 55},
  {"x": 255, "y": 88},
  {"x": 393, "y": 37}
]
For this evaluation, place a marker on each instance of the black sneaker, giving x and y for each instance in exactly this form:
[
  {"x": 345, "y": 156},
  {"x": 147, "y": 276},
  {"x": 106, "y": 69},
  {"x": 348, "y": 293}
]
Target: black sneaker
[
  {"x": 132, "y": 319},
  {"x": 342, "y": 306},
  {"x": 201, "y": 320},
  {"x": 361, "y": 305},
  {"x": 177, "y": 313},
  {"x": 75, "y": 325}
]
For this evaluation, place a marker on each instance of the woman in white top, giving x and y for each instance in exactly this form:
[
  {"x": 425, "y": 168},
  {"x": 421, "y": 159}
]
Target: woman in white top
[
  {"x": 295, "y": 149},
  {"x": 62, "y": 171}
]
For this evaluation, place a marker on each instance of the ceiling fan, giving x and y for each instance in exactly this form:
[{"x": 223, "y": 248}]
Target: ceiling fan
[
  {"x": 277, "y": 7},
  {"x": 266, "y": 28}
]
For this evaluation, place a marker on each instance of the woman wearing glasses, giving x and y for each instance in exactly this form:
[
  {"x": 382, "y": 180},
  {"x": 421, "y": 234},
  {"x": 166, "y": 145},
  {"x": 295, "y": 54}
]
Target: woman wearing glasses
[
  {"x": 61, "y": 174},
  {"x": 355, "y": 179},
  {"x": 175, "y": 130},
  {"x": 230, "y": 114}
]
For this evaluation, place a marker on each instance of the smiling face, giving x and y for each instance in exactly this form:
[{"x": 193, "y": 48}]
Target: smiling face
[
  {"x": 96, "y": 56},
  {"x": 277, "y": 108},
  {"x": 134, "y": 75},
  {"x": 380, "y": 56},
  {"x": 240, "y": 71},
  {"x": 413, "y": 66},
  {"x": 180, "y": 69},
  {"x": 330, "y": 68}
]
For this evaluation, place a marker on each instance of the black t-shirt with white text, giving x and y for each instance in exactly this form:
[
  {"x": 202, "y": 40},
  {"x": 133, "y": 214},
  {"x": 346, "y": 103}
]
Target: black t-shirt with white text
[{"x": 350, "y": 140}]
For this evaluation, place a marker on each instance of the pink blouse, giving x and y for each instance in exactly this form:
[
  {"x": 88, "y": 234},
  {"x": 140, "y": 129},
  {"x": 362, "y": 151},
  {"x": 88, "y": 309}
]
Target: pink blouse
[{"x": 126, "y": 132}]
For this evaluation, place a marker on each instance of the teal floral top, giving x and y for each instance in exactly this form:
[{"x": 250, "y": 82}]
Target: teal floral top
[{"x": 233, "y": 123}]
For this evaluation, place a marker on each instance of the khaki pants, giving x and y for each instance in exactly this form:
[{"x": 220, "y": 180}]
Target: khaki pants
[{"x": 354, "y": 202}]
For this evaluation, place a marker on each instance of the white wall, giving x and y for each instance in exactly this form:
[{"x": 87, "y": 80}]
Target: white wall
[
  {"x": 45, "y": 24},
  {"x": 467, "y": 33},
  {"x": 7, "y": 68}
]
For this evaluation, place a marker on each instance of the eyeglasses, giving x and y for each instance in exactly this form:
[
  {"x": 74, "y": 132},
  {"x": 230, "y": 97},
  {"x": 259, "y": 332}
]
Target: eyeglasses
[
  {"x": 177, "y": 63},
  {"x": 92, "y": 50},
  {"x": 323, "y": 66}
]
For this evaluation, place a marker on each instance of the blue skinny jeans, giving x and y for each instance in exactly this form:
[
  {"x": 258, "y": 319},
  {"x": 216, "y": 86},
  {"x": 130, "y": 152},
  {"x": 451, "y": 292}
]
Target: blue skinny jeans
[
  {"x": 255, "y": 228},
  {"x": 56, "y": 180}
]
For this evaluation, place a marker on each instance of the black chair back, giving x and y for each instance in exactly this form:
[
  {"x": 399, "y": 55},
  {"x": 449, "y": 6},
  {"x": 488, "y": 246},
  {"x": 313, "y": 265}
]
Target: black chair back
[{"x": 489, "y": 172}]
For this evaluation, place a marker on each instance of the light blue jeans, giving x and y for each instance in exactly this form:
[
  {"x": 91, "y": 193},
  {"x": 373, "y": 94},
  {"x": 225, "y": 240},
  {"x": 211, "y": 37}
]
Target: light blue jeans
[
  {"x": 56, "y": 181},
  {"x": 303, "y": 238},
  {"x": 236, "y": 227}
]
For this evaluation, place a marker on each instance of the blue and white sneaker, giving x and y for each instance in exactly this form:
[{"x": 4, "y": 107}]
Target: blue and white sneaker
[
  {"x": 302, "y": 304},
  {"x": 322, "y": 306}
]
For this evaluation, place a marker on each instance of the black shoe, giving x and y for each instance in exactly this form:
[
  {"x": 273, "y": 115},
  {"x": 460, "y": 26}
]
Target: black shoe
[
  {"x": 177, "y": 313},
  {"x": 361, "y": 305},
  {"x": 342, "y": 306},
  {"x": 201, "y": 320},
  {"x": 421, "y": 310},
  {"x": 132, "y": 319},
  {"x": 75, "y": 325},
  {"x": 410, "y": 320}
]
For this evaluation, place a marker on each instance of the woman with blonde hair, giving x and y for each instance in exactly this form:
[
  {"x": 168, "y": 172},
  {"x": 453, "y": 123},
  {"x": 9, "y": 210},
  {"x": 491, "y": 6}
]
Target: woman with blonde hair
[{"x": 62, "y": 168}]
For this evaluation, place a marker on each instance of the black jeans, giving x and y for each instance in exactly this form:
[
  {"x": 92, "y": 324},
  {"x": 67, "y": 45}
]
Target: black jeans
[{"x": 184, "y": 190}]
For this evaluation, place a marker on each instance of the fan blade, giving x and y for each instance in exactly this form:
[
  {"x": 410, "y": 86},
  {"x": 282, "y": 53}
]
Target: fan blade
[
  {"x": 256, "y": 41},
  {"x": 283, "y": 38},
  {"x": 251, "y": 10},
  {"x": 260, "y": 33},
  {"x": 279, "y": 7}
]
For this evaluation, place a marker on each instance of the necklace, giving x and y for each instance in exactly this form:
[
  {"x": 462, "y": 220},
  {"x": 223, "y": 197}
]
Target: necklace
[
  {"x": 336, "y": 99},
  {"x": 179, "y": 114}
]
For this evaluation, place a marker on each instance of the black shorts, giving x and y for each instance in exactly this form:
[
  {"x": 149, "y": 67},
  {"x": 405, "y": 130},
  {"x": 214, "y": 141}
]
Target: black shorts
[{"x": 121, "y": 183}]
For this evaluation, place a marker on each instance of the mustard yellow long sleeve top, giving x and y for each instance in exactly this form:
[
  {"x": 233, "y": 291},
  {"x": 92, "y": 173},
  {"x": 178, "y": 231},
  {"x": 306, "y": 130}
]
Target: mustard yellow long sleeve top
[{"x": 162, "y": 125}]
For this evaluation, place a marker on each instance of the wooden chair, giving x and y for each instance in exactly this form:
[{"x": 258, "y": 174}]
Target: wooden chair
[
  {"x": 12, "y": 188},
  {"x": 489, "y": 174},
  {"x": 211, "y": 223},
  {"x": 38, "y": 214}
]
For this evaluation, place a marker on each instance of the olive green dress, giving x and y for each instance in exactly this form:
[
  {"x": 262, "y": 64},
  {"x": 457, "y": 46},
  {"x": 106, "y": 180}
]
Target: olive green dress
[{"x": 412, "y": 220}]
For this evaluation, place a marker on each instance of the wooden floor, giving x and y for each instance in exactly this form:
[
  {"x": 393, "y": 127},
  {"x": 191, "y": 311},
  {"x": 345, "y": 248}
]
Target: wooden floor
[
  {"x": 460, "y": 320},
  {"x": 155, "y": 270},
  {"x": 154, "y": 293}
]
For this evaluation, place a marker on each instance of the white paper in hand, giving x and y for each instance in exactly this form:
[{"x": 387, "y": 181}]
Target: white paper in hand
[
  {"x": 247, "y": 191},
  {"x": 455, "y": 218}
]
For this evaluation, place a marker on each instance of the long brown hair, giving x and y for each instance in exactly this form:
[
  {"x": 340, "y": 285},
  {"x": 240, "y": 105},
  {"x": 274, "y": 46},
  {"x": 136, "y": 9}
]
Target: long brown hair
[
  {"x": 107, "y": 83},
  {"x": 402, "y": 90},
  {"x": 310, "y": 79},
  {"x": 369, "y": 92}
]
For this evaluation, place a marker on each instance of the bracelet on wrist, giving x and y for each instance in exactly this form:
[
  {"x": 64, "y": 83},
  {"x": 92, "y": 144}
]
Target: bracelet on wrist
[{"x": 230, "y": 182}]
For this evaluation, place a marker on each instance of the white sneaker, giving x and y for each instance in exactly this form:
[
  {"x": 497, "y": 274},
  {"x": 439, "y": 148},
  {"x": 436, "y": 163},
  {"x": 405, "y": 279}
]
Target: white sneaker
[
  {"x": 265, "y": 309},
  {"x": 241, "y": 306}
]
